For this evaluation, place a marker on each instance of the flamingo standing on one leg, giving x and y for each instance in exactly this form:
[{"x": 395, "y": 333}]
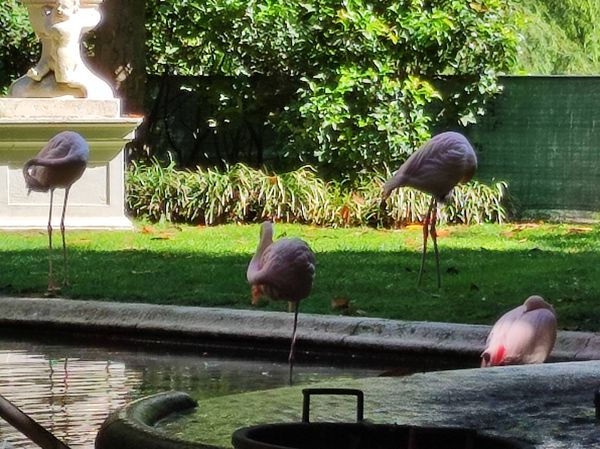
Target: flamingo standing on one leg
[
  {"x": 523, "y": 335},
  {"x": 59, "y": 164},
  {"x": 283, "y": 270},
  {"x": 436, "y": 168}
]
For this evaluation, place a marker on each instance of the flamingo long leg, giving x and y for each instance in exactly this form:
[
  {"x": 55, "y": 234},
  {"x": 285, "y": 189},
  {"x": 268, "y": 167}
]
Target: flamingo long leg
[
  {"x": 62, "y": 231},
  {"x": 51, "y": 285},
  {"x": 433, "y": 233},
  {"x": 292, "y": 346},
  {"x": 425, "y": 234}
]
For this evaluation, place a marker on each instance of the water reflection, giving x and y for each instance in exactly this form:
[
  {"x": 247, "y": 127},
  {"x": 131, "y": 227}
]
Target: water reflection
[{"x": 70, "y": 390}]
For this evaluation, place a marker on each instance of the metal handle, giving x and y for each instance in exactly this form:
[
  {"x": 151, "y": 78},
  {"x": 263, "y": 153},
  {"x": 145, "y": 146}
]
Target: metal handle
[{"x": 307, "y": 392}]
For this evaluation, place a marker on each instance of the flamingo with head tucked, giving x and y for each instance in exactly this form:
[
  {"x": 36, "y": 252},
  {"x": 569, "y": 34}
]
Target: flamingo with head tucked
[
  {"x": 523, "y": 335},
  {"x": 59, "y": 164},
  {"x": 436, "y": 168},
  {"x": 282, "y": 270}
]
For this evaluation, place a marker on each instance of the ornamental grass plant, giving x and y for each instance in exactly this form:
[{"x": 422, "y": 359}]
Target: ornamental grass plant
[{"x": 241, "y": 194}]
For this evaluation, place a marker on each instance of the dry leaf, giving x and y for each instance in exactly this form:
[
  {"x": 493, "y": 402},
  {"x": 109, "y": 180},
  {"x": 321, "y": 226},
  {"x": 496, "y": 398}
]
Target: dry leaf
[
  {"x": 579, "y": 229},
  {"x": 340, "y": 303},
  {"x": 345, "y": 212},
  {"x": 147, "y": 230},
  {"x": 443, "y": 232}
]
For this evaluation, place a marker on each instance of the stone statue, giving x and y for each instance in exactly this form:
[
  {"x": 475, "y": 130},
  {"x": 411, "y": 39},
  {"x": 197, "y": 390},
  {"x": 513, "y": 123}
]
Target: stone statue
[{"x": 61, "y": 71}]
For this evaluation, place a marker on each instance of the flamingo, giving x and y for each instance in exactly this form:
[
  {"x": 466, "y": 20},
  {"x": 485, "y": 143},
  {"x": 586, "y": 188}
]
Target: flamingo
[
  {"x": 523, "y": 335},
  {"x": 59, "y": 164},
  {"x": 282, "y": 270},
  {"x": 436, "y": 168}
]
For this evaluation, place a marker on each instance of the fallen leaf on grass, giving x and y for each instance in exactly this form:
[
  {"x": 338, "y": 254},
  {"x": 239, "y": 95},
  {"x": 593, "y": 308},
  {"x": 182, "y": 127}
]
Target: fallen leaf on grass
[
  {"x": 522, "y": 226},
  {"x": 147, "y": 230},
  {"x": 340, "y": 303},
  {"x": 579, "y": 230}
]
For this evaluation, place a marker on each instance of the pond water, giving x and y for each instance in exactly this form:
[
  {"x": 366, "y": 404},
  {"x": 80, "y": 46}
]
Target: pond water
[{"x": 71, "y": 389}]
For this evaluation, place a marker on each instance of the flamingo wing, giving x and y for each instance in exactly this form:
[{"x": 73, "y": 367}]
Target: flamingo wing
[
  {"x": 59, "y": 163},
  {"x": 440, "y": 164},
  {"x": 521, "y": 336},
  {"x": 495, "y": 351},
  {"x": 287, "y": 268},
  {"x": 532, "y": 337}
]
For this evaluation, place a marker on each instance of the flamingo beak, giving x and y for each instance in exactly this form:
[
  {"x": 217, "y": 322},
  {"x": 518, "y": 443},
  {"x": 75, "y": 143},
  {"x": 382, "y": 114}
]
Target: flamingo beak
[
  {"x": 485, "y": 359},
  {"x": 257, "y": 292}
]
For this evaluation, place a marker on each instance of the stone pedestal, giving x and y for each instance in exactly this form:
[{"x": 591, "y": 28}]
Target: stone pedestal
[{"x": 97, "y": 200}]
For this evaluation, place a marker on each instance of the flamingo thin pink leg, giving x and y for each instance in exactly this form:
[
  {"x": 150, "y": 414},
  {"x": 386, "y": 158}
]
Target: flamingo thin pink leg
[
  {"x": 433, "y": 233},
  {"x": 291, "y": 356},
  {"x": 51, "y": 285},
  {"x": 62, "y": 231},
  {"x": 425, "y": 234}
]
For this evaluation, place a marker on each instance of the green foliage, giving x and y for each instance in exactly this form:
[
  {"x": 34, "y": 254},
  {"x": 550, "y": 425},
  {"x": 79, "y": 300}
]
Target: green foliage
[
  {"x": 19, "y": 46},
  {"x": 353, "y": 80},
  {"x": 559, "y": 37},
  {"x": 243, "y": 194}
]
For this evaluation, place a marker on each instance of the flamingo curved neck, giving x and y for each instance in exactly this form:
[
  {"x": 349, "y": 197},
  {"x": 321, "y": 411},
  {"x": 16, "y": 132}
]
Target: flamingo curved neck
[{"x": 266, "y": 239}]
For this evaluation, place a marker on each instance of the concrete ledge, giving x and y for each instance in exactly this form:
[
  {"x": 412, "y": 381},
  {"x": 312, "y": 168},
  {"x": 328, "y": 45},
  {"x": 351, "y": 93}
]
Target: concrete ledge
[
  {"x": 549, "y": 406},
  {"x": 267, "y": 332}
]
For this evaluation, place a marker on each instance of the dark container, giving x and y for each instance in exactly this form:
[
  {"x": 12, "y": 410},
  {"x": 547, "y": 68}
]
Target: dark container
[{"x": 362, "y": 434}]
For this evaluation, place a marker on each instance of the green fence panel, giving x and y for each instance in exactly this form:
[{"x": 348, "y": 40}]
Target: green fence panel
[{"x": 542, "y": 135}]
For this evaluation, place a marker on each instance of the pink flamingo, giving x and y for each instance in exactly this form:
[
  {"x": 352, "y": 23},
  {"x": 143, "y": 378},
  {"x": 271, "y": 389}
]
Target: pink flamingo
[
  {"x": 523, "y": 335},
  {"x": 59, "y": 164},
  {"x": 283, "y": 270},
  {"x": 436, "y": 168}
]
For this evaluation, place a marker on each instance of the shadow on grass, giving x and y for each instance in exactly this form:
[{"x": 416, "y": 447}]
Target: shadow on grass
[{"x": 477, "y": 286}]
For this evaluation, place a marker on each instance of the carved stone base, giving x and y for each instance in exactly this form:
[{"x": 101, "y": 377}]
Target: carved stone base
[
  {"x": 48, "y": 88},
  {"x": 97, "y": 200}
]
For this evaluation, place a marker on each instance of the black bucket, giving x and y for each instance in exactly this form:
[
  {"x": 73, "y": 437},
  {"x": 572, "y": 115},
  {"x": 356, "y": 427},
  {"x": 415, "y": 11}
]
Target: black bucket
[{"x": 362, "y": 434}]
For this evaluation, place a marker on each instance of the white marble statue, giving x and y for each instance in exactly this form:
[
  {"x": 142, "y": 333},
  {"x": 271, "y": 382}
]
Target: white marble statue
[{"x": 61, "y": 71}]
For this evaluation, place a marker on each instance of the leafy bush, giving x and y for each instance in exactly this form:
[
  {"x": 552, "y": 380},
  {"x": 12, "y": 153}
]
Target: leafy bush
[
  {"x": 242, "y": 194},
  {"x": 349, "y": 85},
  {"x": 559, "y": 37},
  {"x": 19, "y": 46}
]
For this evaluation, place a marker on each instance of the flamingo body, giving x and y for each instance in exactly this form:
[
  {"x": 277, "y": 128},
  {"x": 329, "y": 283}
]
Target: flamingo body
[
  {"x": 60, "y": 163},
  {"x": 444, "y": 161},
  {"x": 282, "y": 270},
  {"x": 523, "y": 335},
  {"x": 437, "y": 167}
]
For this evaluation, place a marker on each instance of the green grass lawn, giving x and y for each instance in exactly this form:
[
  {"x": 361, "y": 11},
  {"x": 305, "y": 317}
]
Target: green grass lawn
[{"x": 487, "y": 269}]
